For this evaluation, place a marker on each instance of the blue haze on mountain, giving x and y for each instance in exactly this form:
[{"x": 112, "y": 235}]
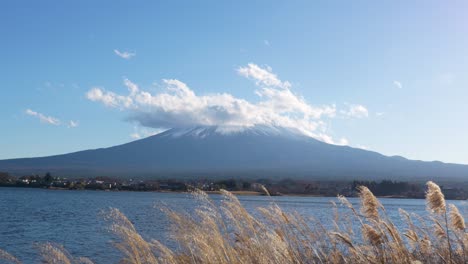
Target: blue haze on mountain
[{"x": 212, "y": 151}]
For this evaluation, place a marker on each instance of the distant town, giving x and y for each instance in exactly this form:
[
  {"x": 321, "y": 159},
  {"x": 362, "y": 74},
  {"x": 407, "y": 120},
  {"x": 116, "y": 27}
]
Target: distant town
[{"x": 384, "y": 188}]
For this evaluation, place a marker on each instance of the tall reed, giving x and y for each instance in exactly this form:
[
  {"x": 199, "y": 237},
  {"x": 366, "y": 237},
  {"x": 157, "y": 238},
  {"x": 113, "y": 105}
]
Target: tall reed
[{"x": 228, "y": 233}]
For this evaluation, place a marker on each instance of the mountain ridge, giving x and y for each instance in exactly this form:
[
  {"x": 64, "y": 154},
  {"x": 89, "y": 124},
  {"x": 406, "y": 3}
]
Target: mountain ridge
[{"x": 259, "y": 151}]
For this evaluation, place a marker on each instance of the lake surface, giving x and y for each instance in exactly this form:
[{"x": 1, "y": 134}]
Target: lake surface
[{"x": 74, "y": 218}]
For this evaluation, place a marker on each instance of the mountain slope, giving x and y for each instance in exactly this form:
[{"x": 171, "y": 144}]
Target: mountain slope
[{"x": 213, "y": 151}]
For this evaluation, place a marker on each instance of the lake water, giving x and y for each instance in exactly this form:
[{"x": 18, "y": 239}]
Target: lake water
[{"x": 73, "y": 218}]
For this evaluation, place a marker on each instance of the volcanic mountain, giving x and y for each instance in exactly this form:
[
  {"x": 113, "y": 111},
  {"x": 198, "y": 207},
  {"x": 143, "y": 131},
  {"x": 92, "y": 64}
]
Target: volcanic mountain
[{"x": 259, "y": 151}]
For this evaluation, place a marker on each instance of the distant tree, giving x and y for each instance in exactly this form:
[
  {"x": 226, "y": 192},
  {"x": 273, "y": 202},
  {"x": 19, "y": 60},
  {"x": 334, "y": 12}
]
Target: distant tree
[
  {"x": 48, "y": 179},
  {"x": 388, "y": 187},
  {"x": 4, "y": 177},
  {"x": 229, "y": 184}
]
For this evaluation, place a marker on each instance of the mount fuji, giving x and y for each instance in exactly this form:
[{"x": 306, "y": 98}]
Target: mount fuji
[{"x": 258, "y": 151}]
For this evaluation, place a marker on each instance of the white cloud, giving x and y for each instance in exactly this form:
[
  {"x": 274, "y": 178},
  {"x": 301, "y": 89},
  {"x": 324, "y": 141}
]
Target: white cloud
[
  {"x": 363, "y": 147},
  {"x": 397, "y": 84},
  {"x": 109, "y": 98},
  {"x": 51, "y": 120},
  {"x": 266, "y": 42},
  {"x": 51, "y": 86},
  {"x": 356, "y": 111},
  {"x": 342, "y": 142},
  {"x": 262, "y": 76},
  {"x": 43, "y": 118},
  {"x": 379, "y": 114},
  {"x": 133, "y": 88},
  {"x": 124, "y": 54},
  {"x": 72, "y": 124},
  {"x": 179, "y": 106},
  {"x": 140, "y": 133},
  {"x": 328, "y": 139},
  {"x": 135, "y": 135}
]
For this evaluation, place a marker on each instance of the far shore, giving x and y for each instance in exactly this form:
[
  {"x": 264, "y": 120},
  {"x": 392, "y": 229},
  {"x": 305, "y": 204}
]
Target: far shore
[
  {"x": 237, "y": 193},
  {"x": 237, "y": 186}
]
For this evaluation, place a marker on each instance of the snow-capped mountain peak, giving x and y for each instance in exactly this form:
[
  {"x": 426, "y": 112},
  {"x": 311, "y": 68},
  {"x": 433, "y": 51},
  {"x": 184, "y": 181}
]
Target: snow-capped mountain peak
[{"x": 206, "y": 131}]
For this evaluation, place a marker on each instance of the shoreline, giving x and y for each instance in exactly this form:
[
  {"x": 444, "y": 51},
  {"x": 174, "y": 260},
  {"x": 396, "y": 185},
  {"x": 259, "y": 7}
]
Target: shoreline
[{"x": 237, "y": 193}]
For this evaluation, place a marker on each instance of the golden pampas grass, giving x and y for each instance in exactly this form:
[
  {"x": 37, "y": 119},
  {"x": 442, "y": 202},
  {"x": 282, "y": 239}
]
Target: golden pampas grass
[
  {"x": 456, "y": 219},
  {"x": 265, "y": 190},
  {"x": 226, "y": 232},
  {"x": 412, "y": 236},
  {"x": 369, "y": 203},
  {"x": 343, "y": 238},
  {"x": 425, "y": 246},
  {"x": 372, "y": 235},
  {"x": 54, "y": 254},
  {"x": 8, "y": 257},
  {"x": 435, "y": 198},
  {"x": 439, "y": 231}
]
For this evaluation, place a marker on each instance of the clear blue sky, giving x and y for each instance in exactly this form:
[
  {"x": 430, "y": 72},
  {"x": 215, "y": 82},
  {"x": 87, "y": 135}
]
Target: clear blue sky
[{"x": 402, "y": 65}]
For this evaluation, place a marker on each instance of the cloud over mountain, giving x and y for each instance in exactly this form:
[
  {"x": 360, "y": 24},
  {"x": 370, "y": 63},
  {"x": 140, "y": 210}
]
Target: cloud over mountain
[{"x": 179, "y": 106}]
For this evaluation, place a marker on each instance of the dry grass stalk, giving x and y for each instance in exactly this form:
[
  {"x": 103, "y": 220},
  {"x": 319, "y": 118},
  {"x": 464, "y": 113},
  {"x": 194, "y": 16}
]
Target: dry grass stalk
[
  {"x": 456, "y": 219},
  {"x": 435, "y": 198},
  {"x": 369, "y": 203},
  {"x": 56, "y": 254},
  {"x": 228, "y": 233},
  {"x": 372, "y": 235},
  {"x": 8, "y": 257},
  {"x": 439, "y": 230},
  {"x": 426, "y": 247}
]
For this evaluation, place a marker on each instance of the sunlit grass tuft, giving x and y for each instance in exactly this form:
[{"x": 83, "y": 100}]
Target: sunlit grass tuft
[{"x": 228, "y": 233}]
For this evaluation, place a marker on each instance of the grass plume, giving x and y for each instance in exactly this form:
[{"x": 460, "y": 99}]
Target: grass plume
[
  {"x": 435, "y": 198},
  {"x": 228, "y": 233}
]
